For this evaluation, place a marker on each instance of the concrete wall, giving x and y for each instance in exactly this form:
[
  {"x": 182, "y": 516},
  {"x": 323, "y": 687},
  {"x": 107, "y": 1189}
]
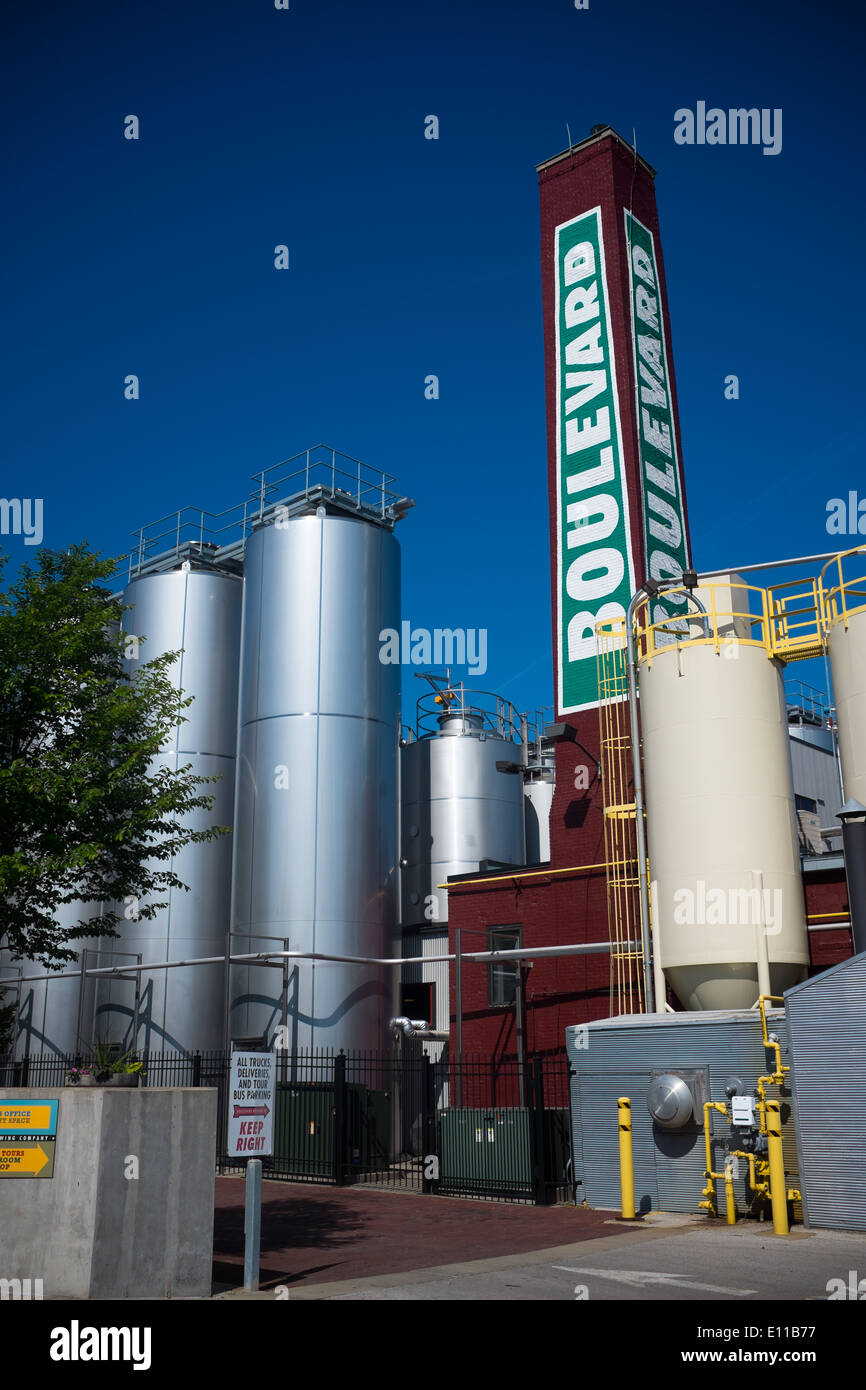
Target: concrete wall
[{"x": 93, "y": 1232}]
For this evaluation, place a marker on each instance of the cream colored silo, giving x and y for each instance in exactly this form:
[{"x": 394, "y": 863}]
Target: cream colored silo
[
  {"x": 721, "y": 828},
  {"x": 844, "y": 585}
]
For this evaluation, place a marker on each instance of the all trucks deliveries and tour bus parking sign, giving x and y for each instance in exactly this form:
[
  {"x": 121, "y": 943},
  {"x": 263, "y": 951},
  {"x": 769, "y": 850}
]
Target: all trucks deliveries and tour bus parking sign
[{"x": 251, "y": 1104}]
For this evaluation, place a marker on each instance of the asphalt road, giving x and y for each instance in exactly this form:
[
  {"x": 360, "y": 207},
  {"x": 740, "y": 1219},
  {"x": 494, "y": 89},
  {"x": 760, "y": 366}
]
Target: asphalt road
[{"x": 682, "y": 1263}]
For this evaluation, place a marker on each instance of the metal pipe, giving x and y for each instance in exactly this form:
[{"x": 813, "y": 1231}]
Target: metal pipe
[
  {"x": 730, "y": 1203},
  {"x": 626, "y": 1158},
  {"x": 769, "y": 565},
  {"x": 458, "y": 1007},
  {"x": 709, "y": 1192},
  {"x": 418, "y": 1028},
  {"x": 585, "y": 948},
  {"x": 854, "y": 849},
  {"x": 659, "y": 985},
  {"x": 521, "y": 1044},
  {"x": 762, "y": 958}
]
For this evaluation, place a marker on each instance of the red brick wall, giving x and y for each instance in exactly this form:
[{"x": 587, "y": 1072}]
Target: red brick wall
[
  {"x": 560, "y": 909},
  {"x": 559, "y": 992},
  {"x": 827, "y": 893}
]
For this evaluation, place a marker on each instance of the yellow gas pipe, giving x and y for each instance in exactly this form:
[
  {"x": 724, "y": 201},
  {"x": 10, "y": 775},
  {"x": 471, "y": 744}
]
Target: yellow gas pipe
[{"x": 709, "y": 1192}]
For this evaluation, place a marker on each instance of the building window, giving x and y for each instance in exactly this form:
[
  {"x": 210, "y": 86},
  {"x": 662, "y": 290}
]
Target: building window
[
  {"x": 502, "y": 975},
  {"x": 419, "y": 1001},
  {"x": 805, "y": 803}
]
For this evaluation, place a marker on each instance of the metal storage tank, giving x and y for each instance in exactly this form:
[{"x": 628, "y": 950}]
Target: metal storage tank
[
  {"x": 199, "y": 611},
  {"x": 844, "y": 584},
  {"x": 539, "y": 784},
  {"x": 316, "y": 811},
  {"x": 720, "y": 810},
  {"x": 828, "y": 1054},
  {"x": 55, "y": 1015},
  {"x": 625, "y": 1056},
  {"x": 458, "y": 807}
]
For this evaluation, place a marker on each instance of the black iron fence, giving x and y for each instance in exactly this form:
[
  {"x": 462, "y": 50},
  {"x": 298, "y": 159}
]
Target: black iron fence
[{"x": 476, "y": 1127}]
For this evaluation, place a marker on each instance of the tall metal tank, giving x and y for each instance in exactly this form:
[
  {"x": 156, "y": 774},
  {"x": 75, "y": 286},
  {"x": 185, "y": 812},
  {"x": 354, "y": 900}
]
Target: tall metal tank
[
  {"x": 844, "y": 582},
  {"x": 458, "y": 807},
  {"x": 316, "y": 813},
  {"x": 721, "y": 827},
  {"x": 539, "y": 784},
  {"x": 54, "y": 1015},
  {"x": 198, "y": 612}
]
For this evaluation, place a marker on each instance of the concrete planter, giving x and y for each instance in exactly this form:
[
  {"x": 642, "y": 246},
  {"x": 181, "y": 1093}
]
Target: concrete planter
[
  {"x": 88, "y": 1080},
  {"x": 122, "y": 1078}
]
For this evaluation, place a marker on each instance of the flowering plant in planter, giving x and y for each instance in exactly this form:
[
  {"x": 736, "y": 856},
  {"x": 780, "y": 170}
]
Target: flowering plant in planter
[{"x": 79, "y": 1076}]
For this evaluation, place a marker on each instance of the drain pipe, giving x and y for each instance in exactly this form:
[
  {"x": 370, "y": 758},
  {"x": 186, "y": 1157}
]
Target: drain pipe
[
  {"x": 417, "y": 1028},
  {"x": 649, "y": 589}
]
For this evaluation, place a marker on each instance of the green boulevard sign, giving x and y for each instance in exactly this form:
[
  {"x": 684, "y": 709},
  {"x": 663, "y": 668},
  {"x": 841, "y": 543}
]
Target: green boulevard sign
[
  {"x": 595, "y": 570},
  {"x": 661, "y": 480}
]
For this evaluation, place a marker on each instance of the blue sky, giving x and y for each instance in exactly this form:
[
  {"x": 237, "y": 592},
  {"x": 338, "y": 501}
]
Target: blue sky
[{"x": 411, "y": 257}]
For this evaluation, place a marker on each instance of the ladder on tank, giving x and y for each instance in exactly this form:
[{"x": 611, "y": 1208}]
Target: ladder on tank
[{"x": 620, "y": 832}]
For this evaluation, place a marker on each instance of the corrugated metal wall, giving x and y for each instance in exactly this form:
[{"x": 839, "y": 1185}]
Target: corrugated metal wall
[
  {"x": 619, "y": 1058},
  {"x": 430, "y": 943},
  {"x": 827, "y": 1030}
]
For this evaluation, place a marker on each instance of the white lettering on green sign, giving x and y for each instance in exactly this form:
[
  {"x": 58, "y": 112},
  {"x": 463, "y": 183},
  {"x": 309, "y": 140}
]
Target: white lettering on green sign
[
  {"x": 661, "y": 478},
  {"x": 595, "y": 572}
]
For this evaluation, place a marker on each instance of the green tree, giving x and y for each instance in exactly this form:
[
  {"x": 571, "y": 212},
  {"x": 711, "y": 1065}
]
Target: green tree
[
  {"x": 7, "y": 1023},
  {"x": 86, "y": 812}
]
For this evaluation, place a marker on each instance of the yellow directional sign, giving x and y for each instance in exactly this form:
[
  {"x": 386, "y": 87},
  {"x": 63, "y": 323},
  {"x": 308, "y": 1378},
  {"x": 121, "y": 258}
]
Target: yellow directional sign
[
  {"x": 27, "y": 1159},
  {"x": 28, "y": 1117}
]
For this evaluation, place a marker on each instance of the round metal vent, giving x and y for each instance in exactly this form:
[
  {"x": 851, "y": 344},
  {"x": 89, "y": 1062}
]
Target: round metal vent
[{"x": 669, "y": 1101}]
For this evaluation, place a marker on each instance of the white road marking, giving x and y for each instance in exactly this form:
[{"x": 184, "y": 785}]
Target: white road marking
[{"x": 638, "y": 1277}]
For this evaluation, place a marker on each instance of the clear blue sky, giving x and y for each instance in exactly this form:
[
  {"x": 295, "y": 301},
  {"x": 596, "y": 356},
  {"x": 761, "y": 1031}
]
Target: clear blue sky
[{"x": 411, "y": 257}]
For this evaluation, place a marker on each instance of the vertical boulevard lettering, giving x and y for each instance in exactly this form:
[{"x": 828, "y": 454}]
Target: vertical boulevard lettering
[
  {"x": 595, "y": 571},
  {"x": 661, "y": 480}
]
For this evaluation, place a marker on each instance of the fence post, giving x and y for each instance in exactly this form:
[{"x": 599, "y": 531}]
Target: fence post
[
  {"x": 196, "y": 1069},
  {"x": 428, "y": 1101},
  {"x": 536, "y": 1130},
  {"x": 339, "y": 1159}
]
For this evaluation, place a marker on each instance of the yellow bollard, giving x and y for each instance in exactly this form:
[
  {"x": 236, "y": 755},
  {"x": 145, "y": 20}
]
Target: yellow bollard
[
  {"x": 778, "y": 1186},
  {"x": 626, "y": 1163}
]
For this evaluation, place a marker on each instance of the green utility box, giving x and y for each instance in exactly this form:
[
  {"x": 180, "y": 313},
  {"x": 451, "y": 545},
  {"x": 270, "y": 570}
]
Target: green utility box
[
  {"x": 489, "y": 1148},
  {"x": 484, "y": 1147},
  {"x": 304, "y": 1124},
  {"x": 304, "y": 1128},
  {"x": 368, "y": 1128}
]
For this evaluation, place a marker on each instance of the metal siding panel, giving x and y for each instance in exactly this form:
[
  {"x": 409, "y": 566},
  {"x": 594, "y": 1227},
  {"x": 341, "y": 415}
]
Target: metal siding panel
[
  {"x": 627, "y": 1051},
  {"x": 826, "y": 1026}
]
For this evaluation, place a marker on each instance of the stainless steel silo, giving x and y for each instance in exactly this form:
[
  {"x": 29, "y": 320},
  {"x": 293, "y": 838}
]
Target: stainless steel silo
[
  {"x": 462, "y": 802},
  {"x": 539, "y": 784},
  {"x": 721, "y": 828},
  {"x": 54, "y": 1015},
  {"x": 196, "y": 612},
  {"x": 316, "y": 810}
]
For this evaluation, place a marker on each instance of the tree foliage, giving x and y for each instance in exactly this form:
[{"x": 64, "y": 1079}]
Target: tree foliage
[{"x": 88, "y": 812}]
